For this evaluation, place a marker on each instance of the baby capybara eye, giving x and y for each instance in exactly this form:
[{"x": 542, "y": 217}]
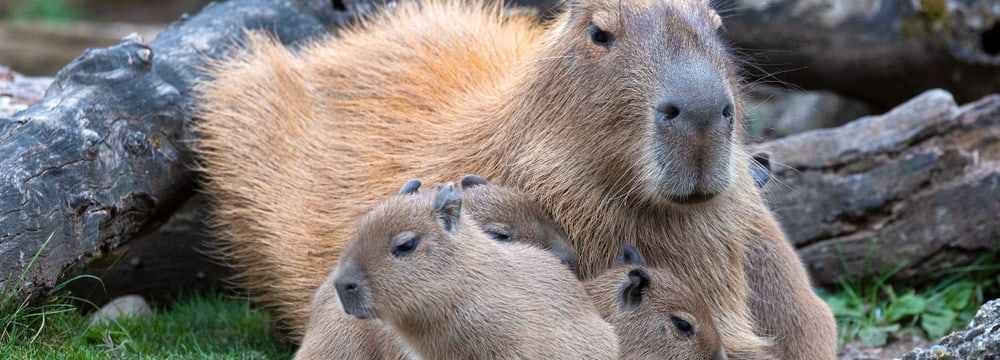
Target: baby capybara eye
[
  {"x": 600, "y": 37},
  {"x": 406, "y": 248},
  {"x": 683, "y": 326},
  {"x": 498, "y": 236}
]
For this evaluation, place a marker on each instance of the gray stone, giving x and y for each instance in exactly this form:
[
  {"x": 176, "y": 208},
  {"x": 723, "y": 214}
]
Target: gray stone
[
  {"x": 978, "y": 341},
  {"x": 121, "y": 307}
]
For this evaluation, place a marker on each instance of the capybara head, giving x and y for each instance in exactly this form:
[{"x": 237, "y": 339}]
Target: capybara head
[
  {"x": 654, "y": 314},
  {"x": 661, "y": 94},
  {"x": 405, "y": 245},
  {"x": 509, "y": 215}
]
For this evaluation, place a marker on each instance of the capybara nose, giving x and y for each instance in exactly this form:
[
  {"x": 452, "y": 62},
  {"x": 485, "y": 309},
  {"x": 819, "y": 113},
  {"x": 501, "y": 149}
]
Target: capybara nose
[
  {"x": 695, "y": 97},
  {"x": 699, "y": 114},
  {"x": 353, "y": 299}
]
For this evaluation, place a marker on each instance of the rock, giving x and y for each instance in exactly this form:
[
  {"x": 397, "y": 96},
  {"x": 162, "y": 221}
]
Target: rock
[
  {"x": 919, "y": 185},
  {"x": 121, "y": 307},
  {"x": 978, "y": 341}
]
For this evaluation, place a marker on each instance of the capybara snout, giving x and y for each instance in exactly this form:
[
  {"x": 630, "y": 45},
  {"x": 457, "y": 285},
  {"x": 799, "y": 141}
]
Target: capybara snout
[{"x": 352, "y": 291}]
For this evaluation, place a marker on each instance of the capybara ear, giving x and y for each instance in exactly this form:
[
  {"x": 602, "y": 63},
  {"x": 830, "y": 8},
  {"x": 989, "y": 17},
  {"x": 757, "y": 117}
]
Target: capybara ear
[
  {"x": 410, "y": 187},
  {"x": 634, "y": 289},
  {"x": 720, "y": 354},
  {"x": 760, "y": 169},
  {"x": 471, "y": 180},
  {"x": 630, "y": 256},
  {"x": 448, "y": 206}
]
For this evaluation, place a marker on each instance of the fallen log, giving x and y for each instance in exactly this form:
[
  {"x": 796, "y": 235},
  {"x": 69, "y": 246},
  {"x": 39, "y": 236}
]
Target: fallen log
[
  {"x": 917, "y": 187},
  {"x": 85, "y": 169},
  {"x": 880, "y": 51}
]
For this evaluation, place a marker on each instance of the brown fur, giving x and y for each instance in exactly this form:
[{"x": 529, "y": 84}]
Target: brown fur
[
  {"x": 457, "y": 294},
  {"x": 295, "y": 145},
  {"x": 782, "y": 290},
  {"x": 650, "y": 330},
  {"x": 510, "y": 215},
  {"x": 332, "y": 334}
]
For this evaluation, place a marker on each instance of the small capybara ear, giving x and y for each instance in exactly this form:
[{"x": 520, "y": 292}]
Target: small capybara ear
[
  {"x": 760, "y": 169},
  {"x": 448, "y": 206},
  {"x": 471, "y": 180},
  {"x": 630, "y": 256},
  {"x": 634, "y": 289},
  {"x": 720, "y": 354},
  {"x": 410, "y": 187}
]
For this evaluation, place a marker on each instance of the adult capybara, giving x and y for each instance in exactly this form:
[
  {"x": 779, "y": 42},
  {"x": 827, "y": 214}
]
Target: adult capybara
[
  {"x": 623, "y": 117},
  {"x": 655, "y": 315},
  {"x": 428, "y": 272},
  {"x": 504, "y": 214}
]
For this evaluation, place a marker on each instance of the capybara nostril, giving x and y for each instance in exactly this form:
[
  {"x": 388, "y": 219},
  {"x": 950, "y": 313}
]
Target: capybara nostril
[
  {"x": 346, "y": 287},
  {"x": 700, "y": 113},
  {"x": 668, "y": 110}
]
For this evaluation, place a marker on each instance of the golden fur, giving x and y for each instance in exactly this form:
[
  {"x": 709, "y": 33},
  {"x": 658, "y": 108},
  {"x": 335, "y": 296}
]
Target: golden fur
[
  {"x": 296, "y": 144},
  {"x": 454, "y": 293}
]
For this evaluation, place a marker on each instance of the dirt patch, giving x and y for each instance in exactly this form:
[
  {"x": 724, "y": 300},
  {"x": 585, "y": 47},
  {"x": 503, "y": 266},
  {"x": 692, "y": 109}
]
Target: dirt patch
[{"x": 903, "y": 344}]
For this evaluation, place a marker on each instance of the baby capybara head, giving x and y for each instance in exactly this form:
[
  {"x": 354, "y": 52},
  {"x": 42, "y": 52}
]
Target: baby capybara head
[
  {"x": 654, "y": 314},
  {"x": 656, "y": 93},
  {"x": 509, "y": 215},
  {"x": 406, "y": 245}
]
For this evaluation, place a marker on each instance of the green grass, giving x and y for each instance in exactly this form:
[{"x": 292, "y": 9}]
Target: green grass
[
  {"x": 871, "y": 310},
  {"x": 208, "y": 326},
  {"x": 199, "y": 326},
  {"x": 52, "y": 10}
]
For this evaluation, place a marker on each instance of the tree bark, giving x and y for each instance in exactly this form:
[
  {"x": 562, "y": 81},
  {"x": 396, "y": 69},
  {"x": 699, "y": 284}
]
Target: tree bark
[
  {"x": 880, "y": 51},
  {"x": 105, "y": 150},
  {"x": 918, "y": 186}
]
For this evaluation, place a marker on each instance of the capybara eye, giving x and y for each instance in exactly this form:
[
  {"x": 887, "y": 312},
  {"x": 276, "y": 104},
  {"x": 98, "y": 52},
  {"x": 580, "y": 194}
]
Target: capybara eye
[
  {"x": 600, "y": 37},
  {"x": 683, "y": 326},
  {"x": 498, "y": 236},
  {"x": 406, "y": 248}
]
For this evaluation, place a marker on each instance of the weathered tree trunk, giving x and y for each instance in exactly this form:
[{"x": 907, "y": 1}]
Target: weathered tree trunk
[
  {"x": 104, "y": 151},
  {"x": 880, "y": 51},
  {"x": 919, "y": 185}
]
